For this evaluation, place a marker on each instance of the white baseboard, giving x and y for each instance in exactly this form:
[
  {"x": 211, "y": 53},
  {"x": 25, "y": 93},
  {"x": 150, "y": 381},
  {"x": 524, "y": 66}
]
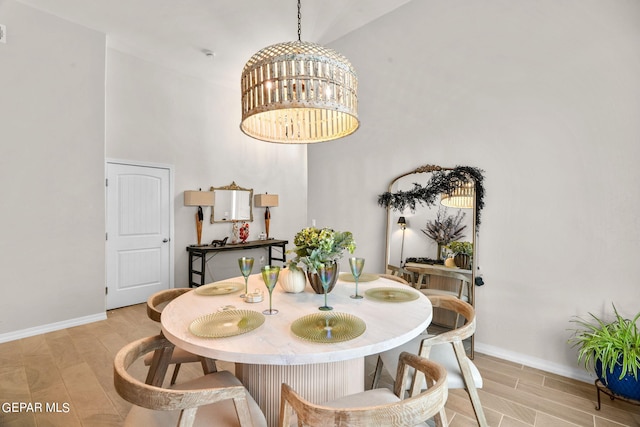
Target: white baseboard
[
  {"x": 37, "y": 330},
  {"x": 533, "y": 362}
]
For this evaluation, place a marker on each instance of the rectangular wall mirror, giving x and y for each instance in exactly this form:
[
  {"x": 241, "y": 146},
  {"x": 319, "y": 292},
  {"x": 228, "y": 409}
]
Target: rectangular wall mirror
[{"x": 232, "y": 203}]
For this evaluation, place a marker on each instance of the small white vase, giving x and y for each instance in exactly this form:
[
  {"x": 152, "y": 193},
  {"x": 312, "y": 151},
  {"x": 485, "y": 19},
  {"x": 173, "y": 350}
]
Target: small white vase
[{"x": 292, "y": 281}]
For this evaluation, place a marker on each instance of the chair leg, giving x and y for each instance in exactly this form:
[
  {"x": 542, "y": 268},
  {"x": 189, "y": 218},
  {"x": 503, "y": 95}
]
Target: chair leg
[
  {"x": 377, "y": 373},
  {"x": 208, "y": 365},
  {"x": 175, "y": 374},
  {"x": 440, "y": 419},
  {"x": 470, "y": 385},
  {"x": 158, "y": 367},
  {"x": 477, "y": 406}
]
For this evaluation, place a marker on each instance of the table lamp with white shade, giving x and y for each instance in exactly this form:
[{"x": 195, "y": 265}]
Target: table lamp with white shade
[
  {"x": 266, "y": 201},
  {"x": 199, "y": 199}
]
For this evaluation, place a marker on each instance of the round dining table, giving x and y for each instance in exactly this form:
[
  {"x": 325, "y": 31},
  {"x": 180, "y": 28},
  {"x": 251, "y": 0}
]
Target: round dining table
[{"x": 273, "y": 353}]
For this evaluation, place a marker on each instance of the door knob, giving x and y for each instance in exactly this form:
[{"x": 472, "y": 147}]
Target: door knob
[{"x": 165, "y": 240}]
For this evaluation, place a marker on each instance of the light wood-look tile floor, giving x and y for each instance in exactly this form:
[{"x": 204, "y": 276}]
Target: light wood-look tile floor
[{"x": 69, "y": 373}]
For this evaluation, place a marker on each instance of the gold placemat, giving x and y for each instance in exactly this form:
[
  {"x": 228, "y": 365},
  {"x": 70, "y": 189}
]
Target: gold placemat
[
  {"x": 226, "y": 323},
  {"x": 328, "y": 327},
  {"x": 220, "y": 288},
  {"x": 364, "y": 277},
  {"x": 391, "y": 294}
]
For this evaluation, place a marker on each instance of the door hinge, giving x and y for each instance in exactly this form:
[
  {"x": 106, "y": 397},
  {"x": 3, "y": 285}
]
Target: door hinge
[
  {"x": 106, "y": 290},
  {"x": 106, "y": 182},
  {"x": 106, "y": 236}
]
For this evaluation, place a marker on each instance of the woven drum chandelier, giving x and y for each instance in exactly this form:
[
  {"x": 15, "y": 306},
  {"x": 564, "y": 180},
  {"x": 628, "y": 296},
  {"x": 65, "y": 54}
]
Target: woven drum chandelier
[
  {"x": 299, "y": 92},
  {"x": 462, "y": 196}
]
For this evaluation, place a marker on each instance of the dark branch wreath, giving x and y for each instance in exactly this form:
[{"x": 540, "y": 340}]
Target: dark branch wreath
[{"x": 442, "y": 181}]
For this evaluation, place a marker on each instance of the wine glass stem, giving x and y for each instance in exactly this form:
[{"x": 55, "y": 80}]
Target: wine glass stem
[
  {"x": 356, "y": 287},
  {"x": 246, "y": 285},
  {"x": 270, "y": 309},
  {"x": 325, "y": 297}
]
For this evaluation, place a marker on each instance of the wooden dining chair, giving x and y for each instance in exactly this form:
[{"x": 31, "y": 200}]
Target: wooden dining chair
[
  {"x": 422, "y": 277},
  {"x": 447, "y": 349},
  {"x": 216, "y": 399},
  {"x": 378, "y": 407},
  {"x": 155, "y": 303},
  {"x": 421, "y": 280},
  {"x": 394, "y": 270},
  {"x": 394, "y": 278}
]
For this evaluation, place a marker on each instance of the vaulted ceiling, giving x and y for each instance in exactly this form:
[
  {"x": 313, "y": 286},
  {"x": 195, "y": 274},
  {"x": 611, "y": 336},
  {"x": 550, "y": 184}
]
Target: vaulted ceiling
[{"x": 178, "y": 33}]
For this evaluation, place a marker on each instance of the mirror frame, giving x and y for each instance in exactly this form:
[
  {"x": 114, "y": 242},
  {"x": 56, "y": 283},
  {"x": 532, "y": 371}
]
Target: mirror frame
[
  {"x": 233, "y": 187},
  {"x": 403, "y": 200}
]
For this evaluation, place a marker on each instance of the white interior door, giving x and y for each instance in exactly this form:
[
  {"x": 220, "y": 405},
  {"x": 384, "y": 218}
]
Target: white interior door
[{"x": 138, "y": 233}]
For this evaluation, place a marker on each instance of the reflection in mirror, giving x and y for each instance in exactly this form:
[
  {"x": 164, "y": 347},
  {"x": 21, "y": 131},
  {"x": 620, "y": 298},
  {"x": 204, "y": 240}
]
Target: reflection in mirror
[
  {"x": 439, "y": 206},
  {"x": 417, "y": 195},
  {"x": 428, "y": 230},
  {"x": 232, "y": 203}
]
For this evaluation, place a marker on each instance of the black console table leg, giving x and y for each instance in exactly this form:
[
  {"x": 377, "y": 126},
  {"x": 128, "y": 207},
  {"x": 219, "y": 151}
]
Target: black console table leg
[{"x": 203, "y": 262}]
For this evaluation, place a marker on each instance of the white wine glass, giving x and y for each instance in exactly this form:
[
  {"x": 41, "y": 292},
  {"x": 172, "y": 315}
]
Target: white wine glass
[
  {"x": 356, "y": 264},
  {"x": 246, "y": 265},
  {"x": 326, "y": 272},
  {"x": 270, "y": 275}
]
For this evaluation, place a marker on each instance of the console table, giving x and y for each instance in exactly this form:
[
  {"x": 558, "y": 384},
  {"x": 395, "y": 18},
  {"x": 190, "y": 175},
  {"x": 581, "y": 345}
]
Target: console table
[{"x": 199, "y": 253}]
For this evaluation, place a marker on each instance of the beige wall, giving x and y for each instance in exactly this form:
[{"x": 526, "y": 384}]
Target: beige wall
[
  {"x": 52, "y": 171},
  {"x": 155, "y": 114},
  {"x": 545, "y": 97}
]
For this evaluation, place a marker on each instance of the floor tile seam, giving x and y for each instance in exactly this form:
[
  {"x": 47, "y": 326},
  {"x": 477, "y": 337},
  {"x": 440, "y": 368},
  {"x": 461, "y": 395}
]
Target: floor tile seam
[
  {"x": 557, "y": 402},
  {"x": 595, "y": 415},
  {"x": 507, "y": 402},
  {"x": 113, "y": 404},
  {"x": 560, "y": 419},
  {"x": 546, "y": 412},
  {"x": 97, "y": 380},
  {"x": 506, "y": 372},
  {"x": 71, "y": 401}
]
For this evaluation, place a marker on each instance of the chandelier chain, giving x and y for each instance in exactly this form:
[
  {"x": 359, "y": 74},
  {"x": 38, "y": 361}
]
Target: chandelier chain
[{"x": 299, "y": 22}]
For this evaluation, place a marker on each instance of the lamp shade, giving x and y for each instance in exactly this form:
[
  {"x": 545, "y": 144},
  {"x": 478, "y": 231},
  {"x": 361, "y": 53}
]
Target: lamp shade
[
  {"x": 402, "y": 221},
  {"x": 265, "y": 200},
  {"x": 198, "y": 198},
  {"x": 461, "y": 197}
]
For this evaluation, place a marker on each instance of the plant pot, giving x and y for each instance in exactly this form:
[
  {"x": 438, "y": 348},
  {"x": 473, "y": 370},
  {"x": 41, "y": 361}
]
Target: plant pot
[
  {"x": 316, "y": 283},
  {"x": 292, "y": 281},
  {"x": 627, "y": 387},
  {"x": 463, "y": 261}
]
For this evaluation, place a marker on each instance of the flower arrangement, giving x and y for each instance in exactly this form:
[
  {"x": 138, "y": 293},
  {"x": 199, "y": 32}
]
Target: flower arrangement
[
  {"x": 445, "y": 228},
  {"x": 244, "y": 232},
  {"x": 319, "y": 246}
]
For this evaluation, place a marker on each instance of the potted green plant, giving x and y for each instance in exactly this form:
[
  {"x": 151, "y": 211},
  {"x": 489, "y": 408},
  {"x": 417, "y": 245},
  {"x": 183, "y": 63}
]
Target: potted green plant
[
  {"x": 462, "y": 253},
  {"x": 612, "y": 349},
  {"x": 314, "y": 246}
]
